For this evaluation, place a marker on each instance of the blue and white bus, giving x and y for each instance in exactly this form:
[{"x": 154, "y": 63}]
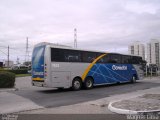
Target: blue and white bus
[{"x": 60, "y": 66}]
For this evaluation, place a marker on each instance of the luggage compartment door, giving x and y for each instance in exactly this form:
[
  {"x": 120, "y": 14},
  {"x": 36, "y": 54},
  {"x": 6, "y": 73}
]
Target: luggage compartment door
[{"x": 61, "y": 78}]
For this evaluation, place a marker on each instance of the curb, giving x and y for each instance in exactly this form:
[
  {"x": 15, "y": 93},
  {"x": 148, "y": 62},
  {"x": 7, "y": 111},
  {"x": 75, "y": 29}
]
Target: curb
[
  {"x": 125, "y": 111},
  {"x": 8, "y": 89}
]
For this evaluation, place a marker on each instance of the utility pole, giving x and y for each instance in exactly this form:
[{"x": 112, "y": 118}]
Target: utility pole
[
  {"x": 27, "y": 52},
  {"x": 75, "y": 38},
  {"x": 146, "y": 70},
  {"x": 8, "y": 56},
  {"x": 17, "y": 60}
]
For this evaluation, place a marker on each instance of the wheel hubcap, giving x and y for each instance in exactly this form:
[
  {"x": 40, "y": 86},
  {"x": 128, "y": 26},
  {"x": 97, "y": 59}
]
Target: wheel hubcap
[
  {"x": 89, "y": 83},
  {"x": 77, "y": 84},
  {"x": 134, "y": 79}
]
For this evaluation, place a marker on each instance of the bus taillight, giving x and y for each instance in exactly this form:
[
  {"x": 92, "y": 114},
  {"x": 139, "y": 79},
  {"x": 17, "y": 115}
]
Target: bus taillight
[
  {"x": 45, "y": 74},
  {"x": 45, "y": 70}
]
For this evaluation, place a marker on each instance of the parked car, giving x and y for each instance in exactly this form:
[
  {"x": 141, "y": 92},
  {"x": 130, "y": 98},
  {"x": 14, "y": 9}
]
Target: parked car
[{"x": 19, "y": 66}]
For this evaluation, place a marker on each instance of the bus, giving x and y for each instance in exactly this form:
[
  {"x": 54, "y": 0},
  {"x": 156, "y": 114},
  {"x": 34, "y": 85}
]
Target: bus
[{"x": 59, "y": 66}]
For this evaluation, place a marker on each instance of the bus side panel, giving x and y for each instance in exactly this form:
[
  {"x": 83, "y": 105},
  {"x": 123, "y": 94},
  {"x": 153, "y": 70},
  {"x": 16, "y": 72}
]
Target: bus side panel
[
  {"x": 111, "y": 73},
  {"x": 60, "y": 78},
  {"x": 63, "y": 73},
  {"x": 78, "y": 69}
]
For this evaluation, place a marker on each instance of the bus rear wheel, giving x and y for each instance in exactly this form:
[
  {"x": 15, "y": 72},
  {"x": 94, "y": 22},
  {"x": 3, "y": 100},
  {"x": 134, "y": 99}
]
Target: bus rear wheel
[
  {"x": 88, "y": 83},
  {"x": 76, "y": 84}
]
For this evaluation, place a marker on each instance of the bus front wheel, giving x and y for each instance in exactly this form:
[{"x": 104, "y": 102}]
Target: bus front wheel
[
  {"x": 88, "y": 83},
  {"x": 133, "y": 79},
  {"x": 76, "y": 84}
]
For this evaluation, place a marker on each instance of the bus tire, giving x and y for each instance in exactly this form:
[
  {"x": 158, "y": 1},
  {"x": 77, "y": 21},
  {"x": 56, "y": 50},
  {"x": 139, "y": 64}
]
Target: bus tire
[
  {"x": 133, "y": 80},
  {"x": 88, "y": 83},
  {"x": 76, "y": 84}
]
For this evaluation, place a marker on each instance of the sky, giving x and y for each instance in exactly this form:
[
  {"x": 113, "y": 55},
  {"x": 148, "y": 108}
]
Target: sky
[{"x": 104, "y": 25}]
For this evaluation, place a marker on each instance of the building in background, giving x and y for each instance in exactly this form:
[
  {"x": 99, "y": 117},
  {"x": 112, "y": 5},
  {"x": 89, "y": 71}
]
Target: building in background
[
  {"x": 153, "y": 52},
  {"x": 137, "y": 48}
]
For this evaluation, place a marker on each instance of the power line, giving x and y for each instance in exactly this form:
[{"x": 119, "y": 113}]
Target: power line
[
  {"x": 3, "y": 47},
  {"x": 11, "y": 52},
  {"x": 15, "y": 48},
  {"x": 7, "y": 55},
  {"x": 3, "y": 52}
]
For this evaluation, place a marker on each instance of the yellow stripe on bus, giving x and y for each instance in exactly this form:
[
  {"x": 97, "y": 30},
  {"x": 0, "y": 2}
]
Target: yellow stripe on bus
[
  {"x": 37, "y": 78},
  {"x": 90, "y": 66}
]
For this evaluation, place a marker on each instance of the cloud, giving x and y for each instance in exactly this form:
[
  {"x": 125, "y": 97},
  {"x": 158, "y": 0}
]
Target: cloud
[{"x": 101, "y": 24}]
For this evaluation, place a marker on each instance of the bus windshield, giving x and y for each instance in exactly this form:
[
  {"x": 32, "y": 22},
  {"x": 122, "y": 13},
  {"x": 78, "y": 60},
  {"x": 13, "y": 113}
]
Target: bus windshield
[{"x": 38, "y": 57}]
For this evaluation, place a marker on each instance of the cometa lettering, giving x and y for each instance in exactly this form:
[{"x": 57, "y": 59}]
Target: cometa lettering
[{"x": 114, "y": 67}]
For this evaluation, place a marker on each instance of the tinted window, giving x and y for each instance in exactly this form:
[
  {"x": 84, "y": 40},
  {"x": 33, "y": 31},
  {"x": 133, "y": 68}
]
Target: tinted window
[
  {"x": 72, "y": 56},
  {"x": 101, "y": 60},
  {"x": 105, "y": 59},
  {"x": 110, "y": 58},
  {"x": 115, "y": 58},
  {"x": 64, "y": 55},
  {"x": 136, "y": 60},
  {"x": 88, "y": 56},
  {"x": 57, "y": 55},
  {"x": 126, "y": 59}
]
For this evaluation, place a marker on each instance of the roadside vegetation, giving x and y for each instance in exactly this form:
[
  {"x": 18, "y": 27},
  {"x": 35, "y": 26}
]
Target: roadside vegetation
[
  {"x": 7, "y": 79},
  {"x": 17, "y": 72}
]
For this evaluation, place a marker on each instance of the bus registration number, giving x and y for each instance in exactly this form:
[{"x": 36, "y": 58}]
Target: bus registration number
[{"x": 56, "y": 65}]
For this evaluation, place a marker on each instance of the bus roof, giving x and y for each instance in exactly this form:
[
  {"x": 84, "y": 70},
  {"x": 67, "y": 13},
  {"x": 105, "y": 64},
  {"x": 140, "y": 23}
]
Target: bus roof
[
  {"x": 52, "y": 44},
  {"x": 71, "y": 48}
]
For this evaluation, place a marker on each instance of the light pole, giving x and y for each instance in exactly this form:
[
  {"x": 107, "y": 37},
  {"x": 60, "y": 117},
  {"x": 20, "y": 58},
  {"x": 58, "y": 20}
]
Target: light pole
[{"x": 8, "y": 57}]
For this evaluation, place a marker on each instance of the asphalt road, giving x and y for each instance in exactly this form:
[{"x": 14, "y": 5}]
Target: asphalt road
[{"x": 55, "y": 98}]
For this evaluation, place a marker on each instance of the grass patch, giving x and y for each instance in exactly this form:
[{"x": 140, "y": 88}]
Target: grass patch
[
  {"x": 1, "y": 69},
  {"x": 22, "y": 75}
]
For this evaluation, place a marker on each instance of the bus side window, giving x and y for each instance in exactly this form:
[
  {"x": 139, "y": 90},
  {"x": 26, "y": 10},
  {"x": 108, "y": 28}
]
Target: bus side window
[
  {"x": 101, "y": 60},
  {"x": 57, "y": 54},
  {"x": 114, "y": 58},
  {"x": 91, "y": 56},
  {"x": 88, "y": 56},
  {"x": 135, "y": 60},
  {"x": 107, "y": 58},
  {"x": 126, "y": 59},
  {"x": 72, "y": 56}
]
